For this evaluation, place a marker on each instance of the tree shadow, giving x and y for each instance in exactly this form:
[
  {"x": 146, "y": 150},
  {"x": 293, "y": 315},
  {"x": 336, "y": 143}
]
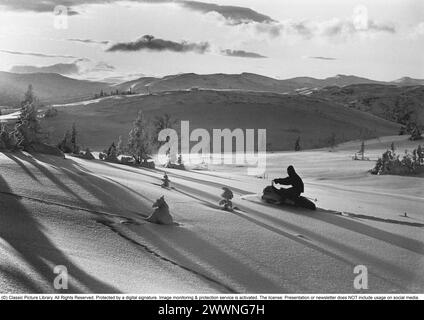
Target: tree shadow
[
  {"x": 108, "y": 192},
  {"x": 358, "y": 255},
  {"x": 20, "y": 229},
  {"x": 26, "y": 236},
  {"x": 22, "y": 165},
  {"x": 190, "y": 250}
]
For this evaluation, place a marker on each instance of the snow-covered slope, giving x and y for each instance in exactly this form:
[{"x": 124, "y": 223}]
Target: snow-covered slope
[{"x": 88, "y": 216}]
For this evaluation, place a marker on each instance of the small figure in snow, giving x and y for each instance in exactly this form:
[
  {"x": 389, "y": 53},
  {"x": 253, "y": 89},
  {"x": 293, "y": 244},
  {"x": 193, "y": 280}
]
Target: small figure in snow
[
  {"x": 161, "y": 214},
  {"x": 165, "y": 181},
  {"x": 227, "y": 195},
  {"x": 293, "y": 180}
]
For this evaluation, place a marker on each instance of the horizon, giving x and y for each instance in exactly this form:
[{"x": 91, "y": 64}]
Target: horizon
[
  {"x": 127, "y": 40},
  {"x": 111, "y": 83}
]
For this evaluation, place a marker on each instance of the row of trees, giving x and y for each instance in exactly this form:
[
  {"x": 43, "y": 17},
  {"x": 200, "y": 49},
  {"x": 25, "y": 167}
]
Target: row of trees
[
  {"x": 116, "y": 92},
  {"x": 392, "y": 163},
  {"x": 142, "y": 139}
]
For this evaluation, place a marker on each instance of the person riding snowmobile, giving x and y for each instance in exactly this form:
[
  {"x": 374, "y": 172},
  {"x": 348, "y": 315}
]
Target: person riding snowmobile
[{"x": 293, "y": 180}]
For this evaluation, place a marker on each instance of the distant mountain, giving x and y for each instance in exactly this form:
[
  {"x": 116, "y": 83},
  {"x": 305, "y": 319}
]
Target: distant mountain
[
  {"x": 339, "y": 80},
  {"x": 55, "y": 88},
  {"x": 241, "y": 82},
  {"x": 219, "y": 81},
  {"x": 48, "y": 87},
  {"x": 60, "y": 68},
  {"x": 407, "y": 81}
]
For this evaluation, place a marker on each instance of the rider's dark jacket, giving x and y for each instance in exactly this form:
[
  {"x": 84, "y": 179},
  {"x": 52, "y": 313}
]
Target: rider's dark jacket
[{"x": 292, "y": 180}]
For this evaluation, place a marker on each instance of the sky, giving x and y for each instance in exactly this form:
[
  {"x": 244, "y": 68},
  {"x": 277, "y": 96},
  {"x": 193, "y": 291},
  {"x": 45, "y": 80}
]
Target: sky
[{"x": 120, "y": 40}]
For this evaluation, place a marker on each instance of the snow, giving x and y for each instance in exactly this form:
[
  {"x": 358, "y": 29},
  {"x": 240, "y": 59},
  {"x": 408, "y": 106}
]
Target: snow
[
  {"x": 88, "y": 216},
  {"x": 10, "y": 116}
]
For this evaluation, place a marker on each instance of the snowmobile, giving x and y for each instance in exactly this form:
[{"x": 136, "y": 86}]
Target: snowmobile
[{"x": 270, "y": 195}]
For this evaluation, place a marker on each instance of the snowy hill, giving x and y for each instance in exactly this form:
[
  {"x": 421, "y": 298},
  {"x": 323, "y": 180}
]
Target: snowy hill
[{"x": 88, "y": 216}]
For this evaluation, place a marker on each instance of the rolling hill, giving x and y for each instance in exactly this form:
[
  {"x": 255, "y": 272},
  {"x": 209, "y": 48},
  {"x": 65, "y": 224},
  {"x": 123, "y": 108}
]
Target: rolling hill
[
  {"x": 49, "y": 88},
  {"x": 55, "y": 88},
  {"x": 407, "y": 81},
  {"x": 286, "y": 117},
  {"x": 395, "y": 103},
  {"x": 243, "y": 81}
]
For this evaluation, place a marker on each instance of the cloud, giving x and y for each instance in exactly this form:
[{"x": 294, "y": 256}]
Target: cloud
[
  {"x": 149, "y": 42},
  {"x": 323, "y": 58},
  {"x": 358, "y": 23},
  {"x": 80, "y": 67},
  {"x": 241, "y": 54},
  {"x": 61, "y": 68},
  {"x": 233, "y": 14},
  {"x": 89, "y": 41},
  {"x": 417, "y": 31},
  {"x": 101, "y": 66},
  {"x": 40, "y": 55}
]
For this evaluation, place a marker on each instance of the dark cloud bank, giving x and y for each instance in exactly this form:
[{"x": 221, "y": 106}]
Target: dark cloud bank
[
  {"x": 242, "y": 54},
  {"x": 149, "y": 42}
]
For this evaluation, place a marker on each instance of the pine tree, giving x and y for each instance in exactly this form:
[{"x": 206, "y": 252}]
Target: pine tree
[
  {"x": 29, "y": 96},
  {"x": 75, "y": 148},
  {"x": 65, "y": 145},
  {"x": 111, "y": 153},
  {"x": 180, "y": 159},
  {"x": 227, "y": 196},
  {"x": 138, "y": 140},
  {"x": 392, "y": 147},
  {"x": 362, "y": 150},
  {"x": 120, "y": 146},
  {"x": 420, "y": 154},
  {"x": 297, "y": 144},
  {"x": 332, "y": 141},
  {"x": 160, "y": 123},
  {"x": 27, "y": 128}
]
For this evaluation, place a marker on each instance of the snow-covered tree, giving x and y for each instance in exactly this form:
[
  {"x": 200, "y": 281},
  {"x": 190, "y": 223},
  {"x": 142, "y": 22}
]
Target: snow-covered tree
[
  {"x": 226, "y": 202},
  {"x": 66, "y": 145},
  {"x": 120, "y": 146},
  {"x": 111, "y": 153},
  {"x": 139, "y": 145},
  {"x": 420, "y": 154},
  {"x": 160, "y": 123},
  {"x": 27, "y": 128}
]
